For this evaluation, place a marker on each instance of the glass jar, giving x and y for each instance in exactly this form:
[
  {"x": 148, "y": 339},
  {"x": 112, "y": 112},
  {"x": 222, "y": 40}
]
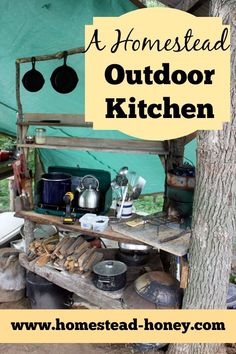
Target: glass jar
[{"x": 40, "y": 136}]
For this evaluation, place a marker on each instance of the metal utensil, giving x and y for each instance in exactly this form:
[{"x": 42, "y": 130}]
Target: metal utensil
[
  {"x": 132, "y": 177},
  {"x": 122, "y": 203},
  {"x": 136, "y": 193},
  {"x": 137, "y": 189},
  {"x": 121, "y": 180},
  {"x": 123, "y": 171},
  {"x": 116, "y": 188}
]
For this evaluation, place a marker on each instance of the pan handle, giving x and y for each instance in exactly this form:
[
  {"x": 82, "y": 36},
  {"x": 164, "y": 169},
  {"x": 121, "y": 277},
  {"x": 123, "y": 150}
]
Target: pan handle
[
  {"x": 65, "y": 54},
  {"x": 33, "y": 60}
]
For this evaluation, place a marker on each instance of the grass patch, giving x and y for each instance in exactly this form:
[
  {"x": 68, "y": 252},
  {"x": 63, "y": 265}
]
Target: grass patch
[
  {"x": 4, "y": 195},
  {"x": 149, "y": 204}
]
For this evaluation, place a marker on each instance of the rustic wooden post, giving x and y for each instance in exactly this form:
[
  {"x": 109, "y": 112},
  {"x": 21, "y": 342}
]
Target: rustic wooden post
[
  {"x": 11, "y": 188},
  {"x": 176, "y": 153},
  {"x": 29, "y": 227}
]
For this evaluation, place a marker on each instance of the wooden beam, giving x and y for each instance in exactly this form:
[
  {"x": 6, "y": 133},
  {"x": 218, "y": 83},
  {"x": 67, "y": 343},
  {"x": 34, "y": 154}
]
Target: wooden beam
[
  {"x": 55, "y": 119},
  {"x": 190, "y": 137},
  {"x": 184, "y": 271},
  {"x": 138, "y": 3},
  {"x": 58, "y": 55}
]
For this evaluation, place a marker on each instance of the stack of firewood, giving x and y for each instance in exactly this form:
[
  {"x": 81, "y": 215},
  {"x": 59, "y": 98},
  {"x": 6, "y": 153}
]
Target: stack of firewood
[
  {"x": 73, "y": 254},
  {"x": 42, "y": 249}
]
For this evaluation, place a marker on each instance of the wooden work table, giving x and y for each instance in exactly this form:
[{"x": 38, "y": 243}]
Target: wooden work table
[{"x": 116, "y": 232}]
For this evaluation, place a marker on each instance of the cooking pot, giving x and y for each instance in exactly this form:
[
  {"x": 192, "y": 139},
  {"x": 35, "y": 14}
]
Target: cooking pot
[
  {"x": 64, "y": 78},
  {"x": 46, "y": 295},
  {"x": 133, "y": 258},
  {"x": 109, "y": 275},
  {"x": 89, "y": 196},
  {"x": 54, "y": 186},
  {"x": 33, "y": 80},
  {"x": 130, "y": 247}
]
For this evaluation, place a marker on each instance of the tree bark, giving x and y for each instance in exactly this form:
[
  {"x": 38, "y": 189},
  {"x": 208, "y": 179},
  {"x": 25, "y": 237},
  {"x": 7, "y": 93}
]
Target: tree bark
[
  {"x": 176, "y": 155},
  {"x": 214, "y": 215}
]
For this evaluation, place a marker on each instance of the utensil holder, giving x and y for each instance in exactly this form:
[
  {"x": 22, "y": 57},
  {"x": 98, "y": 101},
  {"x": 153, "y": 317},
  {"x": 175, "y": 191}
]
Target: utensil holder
[{"x": 127, "y": 209}]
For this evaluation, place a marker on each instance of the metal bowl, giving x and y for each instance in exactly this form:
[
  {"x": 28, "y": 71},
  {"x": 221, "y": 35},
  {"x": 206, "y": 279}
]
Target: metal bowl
[
  {"x": 41, "y": 231},
  {"x": 130, "y": 247}
]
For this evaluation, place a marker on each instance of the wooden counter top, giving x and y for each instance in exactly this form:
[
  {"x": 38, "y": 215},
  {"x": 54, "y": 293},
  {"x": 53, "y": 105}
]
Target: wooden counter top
[
  {"x": 58, "y": 221},
  {"x": 178, "y": 246}
]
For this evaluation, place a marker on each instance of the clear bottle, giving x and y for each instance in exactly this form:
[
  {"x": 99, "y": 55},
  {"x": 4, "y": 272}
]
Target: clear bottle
[{"x": 40, "y": 136}]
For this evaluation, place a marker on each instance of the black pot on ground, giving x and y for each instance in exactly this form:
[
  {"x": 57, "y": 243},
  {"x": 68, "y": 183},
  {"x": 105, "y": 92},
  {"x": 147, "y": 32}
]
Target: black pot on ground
[{"x": 45, "y": 295}]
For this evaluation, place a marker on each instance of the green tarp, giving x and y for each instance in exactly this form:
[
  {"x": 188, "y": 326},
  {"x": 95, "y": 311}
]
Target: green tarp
[{"x": 36, "y": 27}]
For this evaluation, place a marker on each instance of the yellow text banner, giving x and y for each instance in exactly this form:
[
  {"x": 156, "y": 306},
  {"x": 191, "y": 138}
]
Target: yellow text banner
[{"x": 117, "y": 326}]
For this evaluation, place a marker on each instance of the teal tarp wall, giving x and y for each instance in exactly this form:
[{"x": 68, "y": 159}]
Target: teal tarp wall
[{"x": 36, "y": 27}]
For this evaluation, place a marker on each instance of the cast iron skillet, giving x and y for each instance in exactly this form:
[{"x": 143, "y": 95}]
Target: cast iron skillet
[
  {"x": 64, "y": 78},
  {"x": 33, "y": 80}
]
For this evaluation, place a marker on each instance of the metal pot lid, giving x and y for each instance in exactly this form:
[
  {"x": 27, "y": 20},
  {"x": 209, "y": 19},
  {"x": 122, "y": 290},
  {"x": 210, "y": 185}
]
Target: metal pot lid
[
  {"x": 41, "y": 231},
  {"x": 56, "y": 177},
  {"x": 110, "y": 268},
  {"x": 134, "y": 247},
  {"x": 89, "y": 181}
]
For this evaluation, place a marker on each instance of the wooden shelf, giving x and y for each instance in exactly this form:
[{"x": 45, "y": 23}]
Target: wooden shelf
[
  {"x": 108, "y": 145},
  {"x": 121, "y": 232},
  {"x": 54, "y": 120},
  {"x": 84, "y": 287},
  {"x": 56, "y": 124},
  {"x": 58, "y": 221}
]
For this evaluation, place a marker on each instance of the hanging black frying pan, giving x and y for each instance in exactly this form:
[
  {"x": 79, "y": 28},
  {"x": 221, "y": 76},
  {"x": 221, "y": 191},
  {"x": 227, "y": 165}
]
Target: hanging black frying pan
[
  {"x": 33, "y": 80},
  {"x": 64, "y": 78}
]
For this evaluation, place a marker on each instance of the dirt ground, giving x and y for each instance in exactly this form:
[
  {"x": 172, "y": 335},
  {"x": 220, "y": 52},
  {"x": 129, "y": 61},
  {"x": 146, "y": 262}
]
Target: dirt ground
[
  {"x": 80, "y": 349},
  {"x": 69, "y": 348}
]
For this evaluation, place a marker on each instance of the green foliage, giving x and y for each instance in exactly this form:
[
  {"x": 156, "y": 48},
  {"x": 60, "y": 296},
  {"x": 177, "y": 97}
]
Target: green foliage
[
  {"x": 7, "y": 143},
  {"x": 149, "y": 204},
  {"x": 4, "y": 195},
  {"x": 232, "y": 278}
]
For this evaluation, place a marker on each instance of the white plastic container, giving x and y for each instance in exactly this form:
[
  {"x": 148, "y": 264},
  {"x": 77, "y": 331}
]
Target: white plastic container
[
  {"x": 100, "y": 223},
  {"x": 87, "y": 220},
  {"x": 10, "y": 227}
]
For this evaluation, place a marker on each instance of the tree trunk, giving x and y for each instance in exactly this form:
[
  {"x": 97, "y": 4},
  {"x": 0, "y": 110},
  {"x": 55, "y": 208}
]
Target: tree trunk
[
  {"x": 176, "y": 154},
  {"x": 214, "y": 215}
]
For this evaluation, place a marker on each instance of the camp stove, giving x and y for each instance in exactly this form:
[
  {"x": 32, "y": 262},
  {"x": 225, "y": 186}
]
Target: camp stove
[{"x": 77, "y": 174}]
